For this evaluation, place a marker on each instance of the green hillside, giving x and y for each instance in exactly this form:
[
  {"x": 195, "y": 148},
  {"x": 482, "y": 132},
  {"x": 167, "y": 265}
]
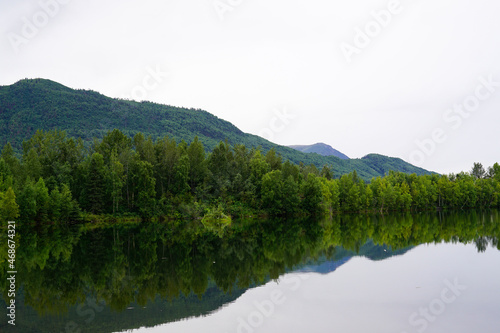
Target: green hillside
[
  {"x": 33, "y": 104},
  {"x": 320, "y": 148}
]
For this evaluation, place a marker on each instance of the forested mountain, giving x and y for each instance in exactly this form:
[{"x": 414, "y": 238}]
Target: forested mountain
[
  {"x": 39, "y": 104},
  {"x": 321, "y": 149}
]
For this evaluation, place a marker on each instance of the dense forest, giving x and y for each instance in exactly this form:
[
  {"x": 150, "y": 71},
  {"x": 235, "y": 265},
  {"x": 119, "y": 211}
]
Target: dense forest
[
  {"x": 58, "y": 179},
  {"x": 38, "y": 104}
]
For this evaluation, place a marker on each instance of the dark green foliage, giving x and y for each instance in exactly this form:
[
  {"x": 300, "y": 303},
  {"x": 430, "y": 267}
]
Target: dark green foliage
[
  {"x": 114, "y": 140},
  {"x": 42, "y": 200},
  {"x": 219, "y": 165},
  {"x": 146, "y": 178},
  {"x": 143, "y": 184},
  {"x": 53, "y": 156},
  {"x": 197, "y": 165},
  {"x": 273, "y": 159},
  {"x": 216, "y": 220},
  {"x": 95, "y": 187},
  {"x": 9, "y": 209},
  {"x": 115, "y": 181},
  {"x": 311, "y": 193},
  {"x": 12, "y": 165},
  {"x": 38, "y": 104},
  {"x": 27, "y": 202},
  {"x": 326, "y": 172},
  {"x": 273, "y": 194}
]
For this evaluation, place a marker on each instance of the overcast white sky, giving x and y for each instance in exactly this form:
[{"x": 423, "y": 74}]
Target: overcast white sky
[{"x": 277, "y": 67}]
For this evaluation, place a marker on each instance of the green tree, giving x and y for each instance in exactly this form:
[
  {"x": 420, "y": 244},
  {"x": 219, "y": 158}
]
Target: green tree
[
  {"x": 55, "y": 205},
  {"x": 258, "y": 168},
  {"x": 167, "y": 156},
  {"x": 144, "y": 186},
  {"x": 197, "y": 165},
  {"x": 326, "y": 172},
  {"x": 291, "y": 195},
  {"x": 272, "y": 192},
  {"x": 9, "y": 209},
  {"x": 181, "y": 180},
  {"x": 494, "y": 172},
  {"x": 330, "y": 194},
  {"x": 273, "y": 159},
  {"x": 290, "y": 169},
  {"x": 145, "y": 148},
  {"x": 42, "y": 200},
  {"x": 10, "y": 159},
  {"x": 58, "y": 155},
  {"x": 69, "y": 209},
  {"x": 478, "y": 171},
  {"x": 31, "y": 164},
  {"x": 27, "y": 201},
  {"x": 219, "y": 165},
  {"x": 115, "y": 181},
  {"x": 311, "y": 194},
  {"x": 404, "y": 199},
  {"x": 466, "y": 190},
  {"x": 350, "y": 192},
  {"x": 95, "y": 188},
  {"x": 113, "y": 141},
  {"x": 6, "y": 178}
]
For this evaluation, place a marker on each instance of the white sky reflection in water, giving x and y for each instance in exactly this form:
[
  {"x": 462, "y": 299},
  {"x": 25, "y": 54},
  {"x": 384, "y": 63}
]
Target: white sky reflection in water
[{"x": 371, "y": 296}]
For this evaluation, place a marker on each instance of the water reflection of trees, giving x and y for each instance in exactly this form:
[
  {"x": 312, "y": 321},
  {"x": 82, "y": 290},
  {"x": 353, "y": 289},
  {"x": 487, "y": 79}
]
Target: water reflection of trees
[{"x": 60, "y": 266}]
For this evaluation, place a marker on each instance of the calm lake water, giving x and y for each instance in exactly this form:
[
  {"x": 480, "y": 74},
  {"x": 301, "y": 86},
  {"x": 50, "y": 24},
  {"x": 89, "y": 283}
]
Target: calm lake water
[{"x": 396, "y": 273}]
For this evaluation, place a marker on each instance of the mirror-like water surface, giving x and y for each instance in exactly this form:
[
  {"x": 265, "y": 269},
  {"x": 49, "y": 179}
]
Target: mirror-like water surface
[
  {"x": 435, "y": 288},
  {"x": 396, "y": 273}
]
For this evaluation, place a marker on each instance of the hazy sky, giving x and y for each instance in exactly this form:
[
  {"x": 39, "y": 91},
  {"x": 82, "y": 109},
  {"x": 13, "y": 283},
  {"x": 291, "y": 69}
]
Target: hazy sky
[{"x": 412, "y": 79}]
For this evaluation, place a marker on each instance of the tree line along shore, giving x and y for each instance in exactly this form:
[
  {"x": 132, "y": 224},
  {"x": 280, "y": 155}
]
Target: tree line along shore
[{"x": 58, "y": 179}]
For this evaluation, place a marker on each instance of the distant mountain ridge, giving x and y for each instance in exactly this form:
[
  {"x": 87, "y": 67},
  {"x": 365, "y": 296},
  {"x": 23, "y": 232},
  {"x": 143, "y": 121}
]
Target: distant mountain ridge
[
  {"x": 40, "y": 104},
  {"x": 320, "y": 148}
]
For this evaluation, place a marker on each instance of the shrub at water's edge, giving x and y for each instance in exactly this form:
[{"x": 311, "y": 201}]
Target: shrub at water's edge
[{"x": 215, "y": 220}]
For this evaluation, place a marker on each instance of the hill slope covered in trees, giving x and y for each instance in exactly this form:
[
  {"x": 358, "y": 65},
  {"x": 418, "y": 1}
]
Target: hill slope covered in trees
[
  {"x": 320, "y": 148},
  {"x": 40, "y": 104}
]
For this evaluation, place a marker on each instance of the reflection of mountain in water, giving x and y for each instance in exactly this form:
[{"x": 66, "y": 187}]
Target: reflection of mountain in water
[
  {"x": 325, "y": 267},
  {"x": 369, "y": 250},
  {"x": 103, "y": 319},
  {"x": 161, "y": 310},
  {"x": 155, "y": 273}
]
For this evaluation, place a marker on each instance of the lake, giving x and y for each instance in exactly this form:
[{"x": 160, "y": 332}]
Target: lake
[{"x": 422, "y": 272}]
